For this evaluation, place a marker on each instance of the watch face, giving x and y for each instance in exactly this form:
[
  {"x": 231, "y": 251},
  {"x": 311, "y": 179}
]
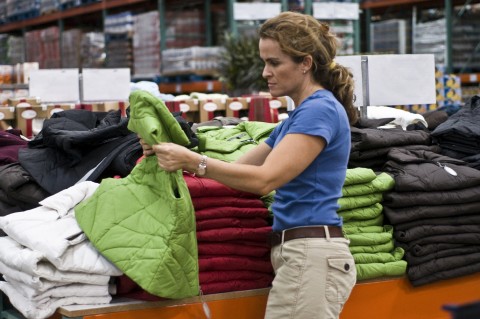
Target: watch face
[{"x": 202, "y": 167}]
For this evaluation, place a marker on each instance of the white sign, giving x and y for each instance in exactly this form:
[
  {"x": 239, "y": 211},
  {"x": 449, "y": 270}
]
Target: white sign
[
  {"x": 255, "y": 10},
  {"x": 106, "y": 84},
  {"x": 401, "y": 79},
  {"x": 55, "y": 85},
  {"x": 335, "y": 11},
  {"x": 392, "y": 79}
]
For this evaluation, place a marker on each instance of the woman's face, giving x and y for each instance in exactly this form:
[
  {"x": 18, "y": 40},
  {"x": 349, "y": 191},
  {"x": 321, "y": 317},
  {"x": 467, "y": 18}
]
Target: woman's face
[{"x": 284, "y": 76}]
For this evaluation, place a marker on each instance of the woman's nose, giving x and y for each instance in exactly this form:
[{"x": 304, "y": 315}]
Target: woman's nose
[{"x": 266, "y": 73}]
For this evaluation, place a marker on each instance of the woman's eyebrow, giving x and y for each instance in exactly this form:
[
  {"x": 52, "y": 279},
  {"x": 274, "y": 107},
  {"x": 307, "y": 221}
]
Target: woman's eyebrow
[{"x": 271, "y": 60}]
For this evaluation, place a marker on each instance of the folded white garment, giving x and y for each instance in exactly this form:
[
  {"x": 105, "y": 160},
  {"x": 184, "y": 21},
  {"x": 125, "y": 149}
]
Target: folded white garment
[
  {"x": 401, "y": 117},
  {"x": 70, "y": 290},
  {"x": 34, "y": 310},
  {"x": 25, "y": 265},
  {"x": 52, "y": 230},
  {"x": 43, "y": 284},
  {"x": 16, "y": 258}
]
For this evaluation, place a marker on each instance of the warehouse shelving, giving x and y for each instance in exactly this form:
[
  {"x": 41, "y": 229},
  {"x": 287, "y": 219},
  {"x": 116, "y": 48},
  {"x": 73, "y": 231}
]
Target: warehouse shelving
[
  {"x": 194, "y": 86},
  {"x": 96, "y": 7},
  {"x": 92, "y": 15},
  {"x": 392, "y": 7}
]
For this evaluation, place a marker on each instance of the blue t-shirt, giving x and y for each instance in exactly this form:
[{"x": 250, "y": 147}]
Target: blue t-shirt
[{"x": 311, "y": 198}]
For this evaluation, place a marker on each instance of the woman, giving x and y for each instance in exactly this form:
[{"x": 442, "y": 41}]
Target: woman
[{"x": 304, "y": 160}]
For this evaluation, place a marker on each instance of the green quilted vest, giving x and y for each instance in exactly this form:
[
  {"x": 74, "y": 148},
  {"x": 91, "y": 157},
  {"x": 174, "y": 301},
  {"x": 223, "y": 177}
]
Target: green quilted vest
[{"x": 145, "y": 222}]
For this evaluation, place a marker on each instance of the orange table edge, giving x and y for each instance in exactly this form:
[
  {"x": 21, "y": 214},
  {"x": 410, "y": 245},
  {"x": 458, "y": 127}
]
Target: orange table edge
[{"x": 393, "y": 298}]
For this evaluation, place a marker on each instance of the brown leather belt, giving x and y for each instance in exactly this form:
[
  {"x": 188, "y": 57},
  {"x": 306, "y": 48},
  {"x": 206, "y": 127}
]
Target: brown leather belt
[{"x": 275, "y": 238}]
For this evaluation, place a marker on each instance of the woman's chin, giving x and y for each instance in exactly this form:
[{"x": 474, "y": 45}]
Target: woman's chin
[{"x": 274, "y": 92}]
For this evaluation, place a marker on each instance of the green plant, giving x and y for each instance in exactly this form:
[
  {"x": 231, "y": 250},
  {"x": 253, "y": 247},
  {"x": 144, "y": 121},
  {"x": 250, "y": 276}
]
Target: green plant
[{"x": 241, "y": 66}]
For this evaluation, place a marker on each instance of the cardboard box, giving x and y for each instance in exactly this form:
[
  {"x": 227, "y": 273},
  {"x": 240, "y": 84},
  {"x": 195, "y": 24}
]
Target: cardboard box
[
  {"x": 211, "y": 108},
  {"x": 7, "y": 113},
  {"x": 278, "y": 102},
  {"x": 266, "y": 109},
  {"x": 117, "y": 105},
  {"x": 29, "y": 119},
  {"x": 4, "y": 125},
  {"x": 417, "y": 108},
  {"x": 188, "y": 107},
  {"x": 32, "y": 100},
  {"x": 54, "y": 108},
  {"x": 93, "y": 106},
  {"x": 237, "y": 107},
  {"x": 5, "y": 95},
  {"x": 106, "y": 106},
  {"x": 451, "y": 81}
]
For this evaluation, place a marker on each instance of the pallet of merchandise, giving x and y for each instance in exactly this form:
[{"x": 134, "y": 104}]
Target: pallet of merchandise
[
  {"x": 84, "y": 2},
  {"x": 23, "y": 15},
  {"x": 67, "y": 4}
]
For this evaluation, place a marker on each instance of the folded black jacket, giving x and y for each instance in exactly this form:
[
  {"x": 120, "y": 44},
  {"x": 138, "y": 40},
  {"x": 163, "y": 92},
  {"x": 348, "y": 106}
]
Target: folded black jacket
[
  {"x": 18, "y": 190},
  {"x": 77, "y": 145},
  {"x": 461, "y": 132}
]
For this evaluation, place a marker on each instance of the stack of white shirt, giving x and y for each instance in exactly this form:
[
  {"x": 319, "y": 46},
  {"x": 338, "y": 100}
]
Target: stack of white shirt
[{"x": 47, "y": 261}]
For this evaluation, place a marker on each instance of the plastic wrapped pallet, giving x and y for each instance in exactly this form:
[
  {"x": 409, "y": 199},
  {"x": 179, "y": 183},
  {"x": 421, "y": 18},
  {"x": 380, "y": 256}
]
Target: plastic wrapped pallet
[
  {"x": 71, "y": 48},
  {"x": 146, "y": 44}
]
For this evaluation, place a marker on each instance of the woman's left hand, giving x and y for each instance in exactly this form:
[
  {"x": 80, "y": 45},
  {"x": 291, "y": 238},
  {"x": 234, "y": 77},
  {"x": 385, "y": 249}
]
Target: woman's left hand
[{"x": 172, "y": 157}]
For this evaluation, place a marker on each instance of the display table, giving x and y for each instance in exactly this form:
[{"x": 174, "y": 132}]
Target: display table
[{"x": 379, "y": 299}]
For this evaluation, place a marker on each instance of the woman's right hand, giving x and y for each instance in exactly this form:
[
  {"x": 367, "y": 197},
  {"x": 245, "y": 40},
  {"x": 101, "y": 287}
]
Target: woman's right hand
[{"x": 147, "y": 149}]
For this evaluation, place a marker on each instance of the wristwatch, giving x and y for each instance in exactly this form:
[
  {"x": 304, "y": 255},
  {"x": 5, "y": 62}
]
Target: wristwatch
[{"x": 202, "y": 166}]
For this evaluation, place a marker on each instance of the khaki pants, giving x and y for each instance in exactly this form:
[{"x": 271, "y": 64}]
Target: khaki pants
[{"x": 313, "y": 279}]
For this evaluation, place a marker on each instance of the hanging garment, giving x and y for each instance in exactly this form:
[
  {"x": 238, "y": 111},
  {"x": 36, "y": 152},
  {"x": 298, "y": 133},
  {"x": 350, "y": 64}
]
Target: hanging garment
[{"x": 145, "y": 223}]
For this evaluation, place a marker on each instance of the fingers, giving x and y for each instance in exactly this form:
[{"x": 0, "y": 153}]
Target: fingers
[
  {"x": 169, "y": 156},
  {"x": 147, "y": 149}
]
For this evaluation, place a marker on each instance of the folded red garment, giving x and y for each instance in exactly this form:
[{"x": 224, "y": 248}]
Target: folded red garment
[
  {"x": 229, "y": 201},
  {"x": 207, "y": 277},
  {"x": 234, "y": 263},
  {"x": 200, "y": 187},
  {"x": 232, "y": 249},
  {"x": 235, "y": 285},
  {"x": 253, "y": 222},
  {"x": 240, "y": 212},
  {"x": 127, "y": 288},
  {"x": 231, "y": 233}
]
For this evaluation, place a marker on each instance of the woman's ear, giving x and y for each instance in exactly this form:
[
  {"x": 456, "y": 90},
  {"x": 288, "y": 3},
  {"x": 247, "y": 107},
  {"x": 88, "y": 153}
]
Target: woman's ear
[{"x": 307, "y": 62}]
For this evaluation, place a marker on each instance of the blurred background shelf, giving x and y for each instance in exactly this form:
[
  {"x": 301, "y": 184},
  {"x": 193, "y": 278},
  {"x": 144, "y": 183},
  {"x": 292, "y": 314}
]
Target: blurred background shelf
[{"x": 197, "y": 86}]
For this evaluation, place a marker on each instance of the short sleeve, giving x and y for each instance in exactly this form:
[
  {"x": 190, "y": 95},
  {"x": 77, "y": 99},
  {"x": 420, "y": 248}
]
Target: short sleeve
[
  {"x": 317, "y": 117},
  {"x": 273, "y": 136}
]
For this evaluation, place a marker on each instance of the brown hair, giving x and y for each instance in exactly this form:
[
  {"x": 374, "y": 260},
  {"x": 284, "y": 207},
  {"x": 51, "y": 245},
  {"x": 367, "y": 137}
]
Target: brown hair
[{"x": 300, "y": 35}]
